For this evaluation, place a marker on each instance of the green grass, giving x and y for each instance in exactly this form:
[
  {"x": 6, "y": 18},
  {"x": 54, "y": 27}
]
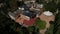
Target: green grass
[{"x": 40, "y": 24}]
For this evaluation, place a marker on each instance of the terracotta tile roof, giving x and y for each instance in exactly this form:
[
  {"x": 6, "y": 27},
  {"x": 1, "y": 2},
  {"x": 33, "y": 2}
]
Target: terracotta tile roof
[{"x": 29, "y": 22}]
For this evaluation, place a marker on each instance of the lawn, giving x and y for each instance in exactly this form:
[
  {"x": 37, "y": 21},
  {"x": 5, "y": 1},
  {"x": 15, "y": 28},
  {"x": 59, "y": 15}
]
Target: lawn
[{"x": 40, "y": 24}]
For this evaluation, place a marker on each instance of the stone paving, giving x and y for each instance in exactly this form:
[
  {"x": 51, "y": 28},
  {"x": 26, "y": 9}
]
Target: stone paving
[{"x": 47, "y": 19}]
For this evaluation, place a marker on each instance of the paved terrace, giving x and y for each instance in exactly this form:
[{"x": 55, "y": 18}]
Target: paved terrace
[{"x": 47, "y": 19}]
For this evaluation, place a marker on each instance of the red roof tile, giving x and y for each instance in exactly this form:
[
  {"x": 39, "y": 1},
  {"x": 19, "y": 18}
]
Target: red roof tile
[{"x": 29, "y": 22}]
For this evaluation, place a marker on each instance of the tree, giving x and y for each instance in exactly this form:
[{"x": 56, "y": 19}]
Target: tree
[
  {"x": 57, "y": 24},
  {"x": 51, "y": 6}
]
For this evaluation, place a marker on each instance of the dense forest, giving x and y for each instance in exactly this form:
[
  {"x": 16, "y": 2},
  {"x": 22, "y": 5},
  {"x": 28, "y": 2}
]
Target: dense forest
[
  {"x": 57, "y": 21},
  {"x": 8, "y": 26}
]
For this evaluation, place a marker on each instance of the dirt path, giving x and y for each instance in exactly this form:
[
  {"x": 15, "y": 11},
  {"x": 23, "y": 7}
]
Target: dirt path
[{"x": 47, "y": 19}]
